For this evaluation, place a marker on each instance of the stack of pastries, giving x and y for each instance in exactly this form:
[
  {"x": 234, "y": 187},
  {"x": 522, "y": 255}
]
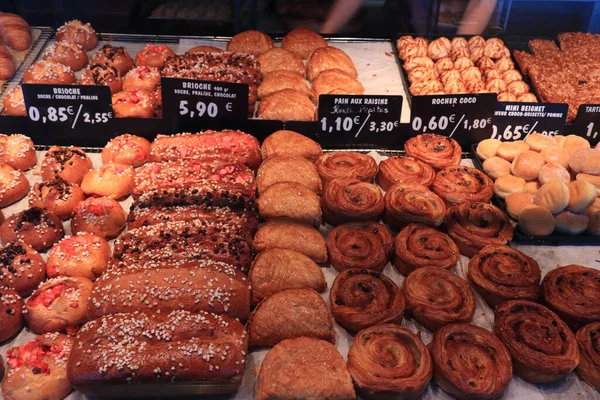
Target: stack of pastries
[
  {"x": 549, "y": 184},
  {"x": 444, "y": 66}
]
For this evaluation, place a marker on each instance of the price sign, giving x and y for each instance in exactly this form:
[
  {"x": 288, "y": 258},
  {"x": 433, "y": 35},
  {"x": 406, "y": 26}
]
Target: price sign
[
  {"x": 587, "y": 122},
  {"x": 194, "y": 100},
  {"x": 514, "y": 121},
  {"x": 359, "y": 119},
  {"x": 464, "y": 117},
  {"x": 68, "y": 106}
]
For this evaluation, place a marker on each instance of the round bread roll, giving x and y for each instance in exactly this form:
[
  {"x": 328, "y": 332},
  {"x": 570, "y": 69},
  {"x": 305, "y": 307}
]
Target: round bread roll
[
  {"x": 17, "y": 151},
  {"x": 487, "y": 148},
  {"x": 533, "y": 186},
  {"x": 559, "y": 139},
  {"x": 13, "y": 185},
  {"x": 204, "y": 49},
  {"x": 572, "y": 143},
  {"x": 110, "y": 180},
  {"x": 585, "y": 161},
  {"x": 591, "y": 210},
  {"x": 328, "y": 58},
  {"x": 496, "y": 167},
  {"x": 102, "y": 216},
  {"x": 538, "y": 142},
  {"x": 85, "y": 255},
  {"x": 593, "y": 179},
  {"x": 57, "y": 196},
  {"x": 594, "y": 224},
  {"x": 552, "y": 171},
  {"x": 557, "y": 155},
  {"x": 569, "y": 223},
  {"x": 536, "y": 221},
  {"x": 126, "y": 149},
  {"x": 553, "y": 196},
  {"x": 582, "y": 195},
  {"x": 510, "y": 150},
  {"x": 516, "y": 202},
  {"x": 303, "y": 42},
  {"x": 11, "y": 313},
  {"x": 527, "y": 165},
  {"x": 507, "y": 184},
  {"x": 250, "y": 42}
]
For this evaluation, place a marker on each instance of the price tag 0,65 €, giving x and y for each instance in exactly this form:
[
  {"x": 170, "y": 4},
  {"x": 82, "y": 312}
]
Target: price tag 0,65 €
[
  {"x": 587, "y": 122},
  {"x": 69, "y": 106},
  {"x": 514, "y": 121},
  {"x": 464, "y": 117},
  {"x": 352, "y": 119}
]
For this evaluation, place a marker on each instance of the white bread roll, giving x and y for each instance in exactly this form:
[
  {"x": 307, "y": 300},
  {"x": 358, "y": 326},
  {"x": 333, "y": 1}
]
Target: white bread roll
[
  {"x": 553, "y": 196},
  {"x": 536, "y": 221}
]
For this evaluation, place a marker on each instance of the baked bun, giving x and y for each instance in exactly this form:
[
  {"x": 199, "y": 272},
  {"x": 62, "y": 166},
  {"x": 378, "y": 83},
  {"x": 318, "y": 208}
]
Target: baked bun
[
  {"x": 77, "y": 32},
  {"x": 110, "y": 180},
  {"x": 250, "y": 42},
  {"x": 516, "y": 202},
  {"x": 204, "y": 49},
  {"x": 510, "y": 150},
  {"x": 329, "y": 58},
  {"x": 533, "y": 186},
  {"x": 527, "y": 165},
  {"x": 552, "y": 171},
  {"x": 57, "y": 196},
  {"x": 142, "y": 78},
  {"x": 117, "y": 57},
  {"x": 102, "y": 216},
  {"x": 84, "y": 254},
  {"x": 553, "y": 196},
  {"x": 102, "y": 75},
  {"x": 539, "y": 142},
  {"x": 290, "y": 143},
  {"x": 572, "y": 143},
  {"x": 11, "y": 314},
  {"x": 126, "y": 149},
  {"x": 280, "y": 80},
  {"x": 487, "y": 148},
  {"x": 582, "y": 195},
  {"x": 557, "y": 155},
  {"x": 21, "y": 267},
  {"x": 49, "y": 73},
  {"x": 569, "y": 223},
  {"x": 153, "y": 55},
  {"x": 335, "y": 79},
  {"x": 286, "y": 105},
  {"x": 134, "y": 103},
  {"x": 508, "y": 184},
  {"x": 496, "y": 167},
  {"x": 14, "y": 103},
  {"x": 38, "y": 369},
  {"x": 303, "y": 42},
  {"x": 17, "y": 151},
  {"x": 68, "y": 163},
  {"x": 593, "y": 179},
  {"x": 35, "y": 226},
  {"x": 277, "y": 59},
  {"x": 13, "y": 185},
  {"x": 536, "y": 221},
  {"x": 70, "y": 54},
  {"x": 593, "y": 208},
  {"x": 585, "y": 161}
]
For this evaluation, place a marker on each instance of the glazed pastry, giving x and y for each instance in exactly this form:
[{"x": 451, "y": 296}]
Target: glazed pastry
[
  {"x": 35, "y": 226},
  {"x": 142, "y": 78},
  {"x": 334, "y": 79},
  {"x": 13, "y": 185},
  {"x": 134, "y": 103},
  {"x": 349, "y": 199},
  {"x": 37, "y": 369},
  {"x": 456, "y": 349},
  {"x": 57, "y": 196},
  {"x": 290, "y": 314},
  {"x": 573, "y": 292},
  {"x": 365, "y": 245},
  {"x": 537, "y": 358},
  {"x": 250, "y": 42},
  {"x": 277, "y": 59},
  {"x": 49, "y": 73},
  {"x": 70, "y": 54},
  {"x": 102, "y": 75},
  {"x": 388, "y": 360},
  {"x": 304, "y": 368},
  {"x": 14, "y": 103},
  {"x": 286, "y": 105},
  {"x": 290, "y": 143},
  {"x": 500, "y": 273},
  {"x": 473, "y": 226},
  {"x": 589, "y": 364},
  {"x": 21, "y": 267},
  {"x": 404, "y": 170},
  {"x": 436, "y": 297},
  {"x": 69, "y": 163},
  {"x": 288, "y": 169},
  {"x": 436, "y": 150},
  {"x": 280, "y": 80},
  {"x": 115, "y": 57},
  {"x": 126, "y": 149},
  {"x": 405, "y": 204},
  {"x": 303, "y": 42},
  {"x": 329, "y": 57},
  {"x": 360, "y": 299},
  {"x": 17, "y": 151},
  {"x": 346, "y": 164},
  {"x": 275, "y": 270},
  {"x": 290, "y": 200},
  {"x": 290, "y": 235},
  {"x": 11, "y": 314},
  {"x": 58, "y": 305},
  {"x": 102, "y": 216},
  {"x": 84, "y": 255},
  {"x": 418, "y": 246},
  {"x": 77, "y": 32},
  {"x": 110, "y": 180},
  {"x": 153, "y": 55},
  {"x": 463, "y": 184}
]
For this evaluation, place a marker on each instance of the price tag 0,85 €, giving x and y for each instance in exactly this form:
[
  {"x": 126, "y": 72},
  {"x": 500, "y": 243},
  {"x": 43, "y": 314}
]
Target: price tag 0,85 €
[
  {"x": 515, "y": 121},
  {"x": 464, "y": 117},
  {"x": 587, "y": 122},
  {"x": 68, "y": 106}
]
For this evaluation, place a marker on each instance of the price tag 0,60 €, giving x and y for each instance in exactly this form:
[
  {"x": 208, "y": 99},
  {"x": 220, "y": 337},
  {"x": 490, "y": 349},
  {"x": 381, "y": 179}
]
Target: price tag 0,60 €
[
  {"x": 514, "y": 121},
  {"x": 587, "y": 122},
  {"x": 68, "y": 107}
]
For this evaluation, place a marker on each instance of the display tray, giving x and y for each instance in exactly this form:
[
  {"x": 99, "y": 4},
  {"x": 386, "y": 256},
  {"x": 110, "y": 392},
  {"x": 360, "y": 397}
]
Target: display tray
[{"x": 520, "y": 237}]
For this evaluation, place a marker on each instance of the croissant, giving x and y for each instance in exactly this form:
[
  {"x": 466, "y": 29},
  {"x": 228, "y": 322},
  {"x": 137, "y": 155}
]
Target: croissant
[
  {"x": 7, "y": 65},
  {"x": 14, "y": 31}
]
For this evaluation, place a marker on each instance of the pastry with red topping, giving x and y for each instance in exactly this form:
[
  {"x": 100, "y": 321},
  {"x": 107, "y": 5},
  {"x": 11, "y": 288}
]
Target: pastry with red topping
[
  {"x": 153, "y": 55},
  {"x": 21, "y": 267},
  {"x": 68, "y": 163},
  {"x": 134, "y": 103},
  {"x": 11, "y": 314},
  {"x": 126, "y": 149},
  {"x": 102, "y": 216},
  {"x": 84, "y": 254},
  {"x": 35, "y": 226},
  {"x": 114, "y": 56},
  {"x": 142, "y": 78},
  {"x": 110, "y": 180}
]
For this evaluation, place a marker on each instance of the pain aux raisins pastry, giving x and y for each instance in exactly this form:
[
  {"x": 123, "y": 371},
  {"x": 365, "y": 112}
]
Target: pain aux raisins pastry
[{"x": 435, "y": 150}]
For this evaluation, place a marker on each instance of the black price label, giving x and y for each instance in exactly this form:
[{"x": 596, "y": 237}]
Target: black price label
[
  {"x": 465, "y": 117},
  {"x": 68, "y": 106},
  {"x": 193, "y": 99},
  {"x": 514, "y": 121},
  {"x": 587, "y": 122},
  {"x": 359, "y": 119}
]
